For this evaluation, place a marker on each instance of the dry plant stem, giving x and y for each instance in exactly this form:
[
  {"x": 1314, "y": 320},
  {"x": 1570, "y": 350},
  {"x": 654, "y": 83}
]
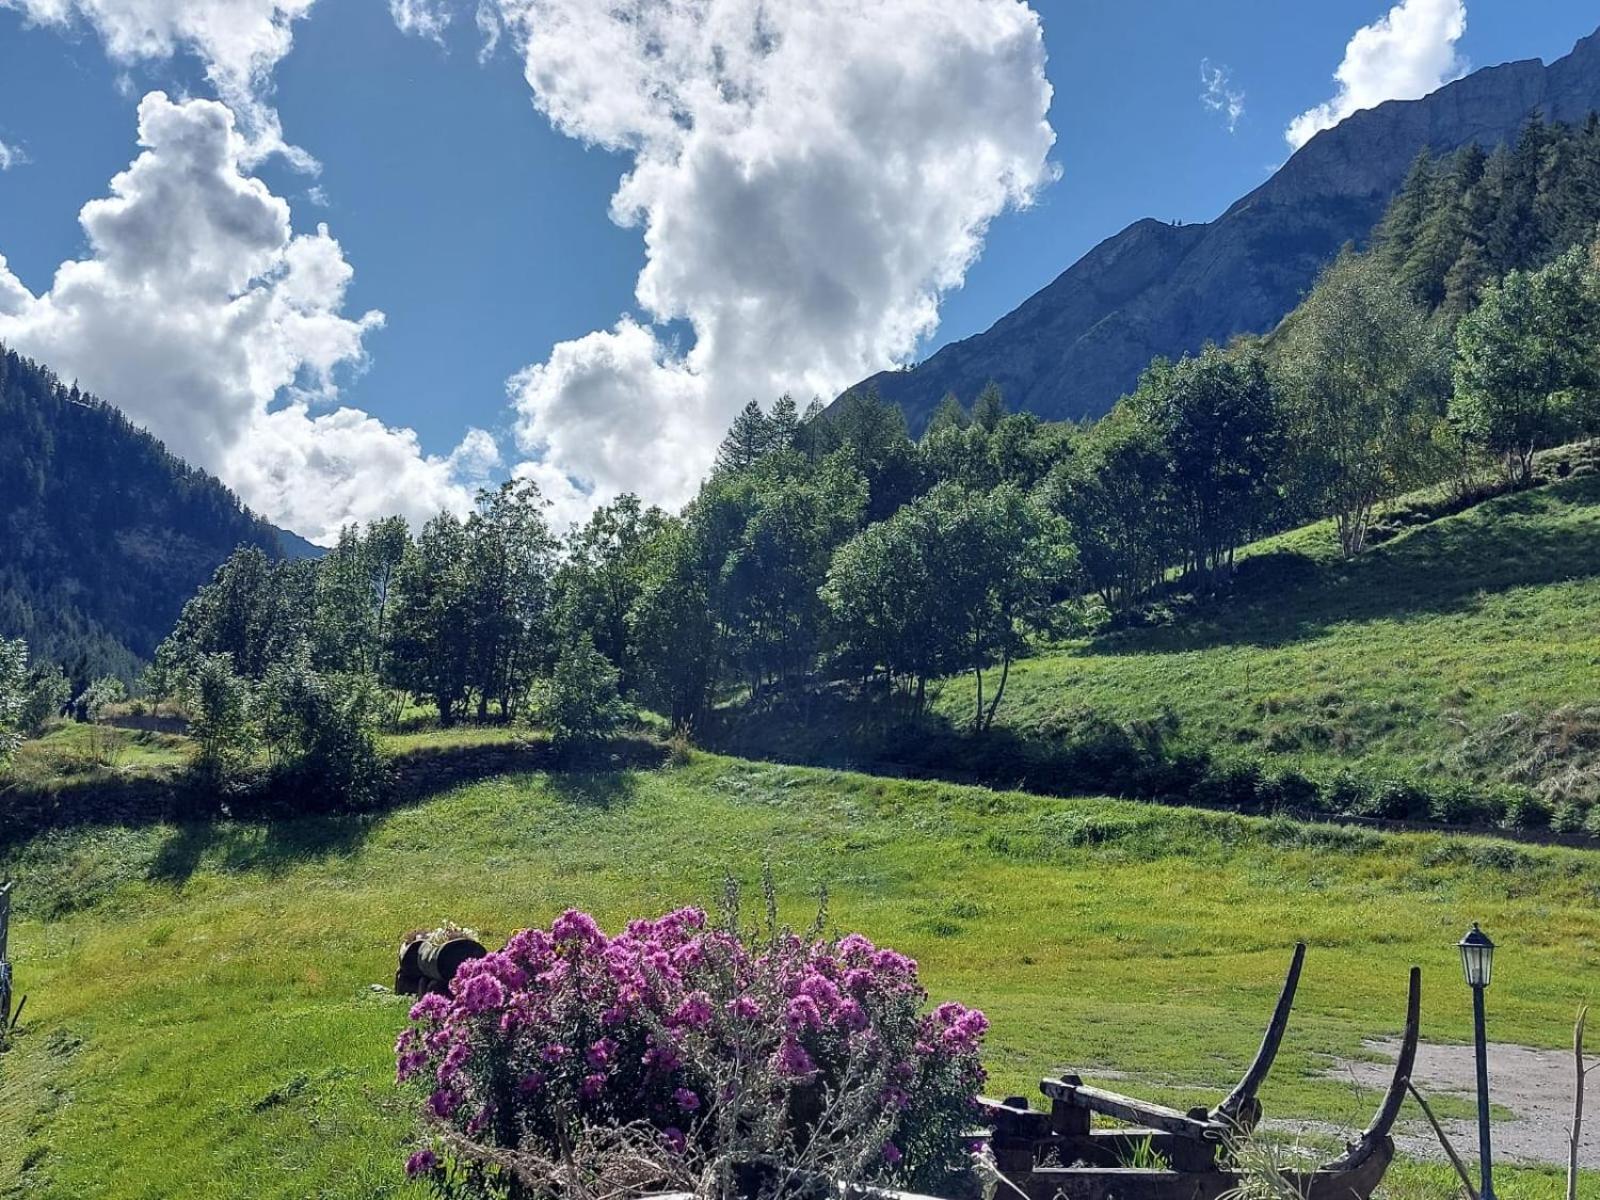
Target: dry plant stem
[
  {"x": 1577, "y": 1103},
  {"x": 1455, "y": 1159}
]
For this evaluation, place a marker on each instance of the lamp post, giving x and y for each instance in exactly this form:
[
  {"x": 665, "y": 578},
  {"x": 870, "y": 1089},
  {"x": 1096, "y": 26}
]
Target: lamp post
[{"x": 1477, "y": 962}]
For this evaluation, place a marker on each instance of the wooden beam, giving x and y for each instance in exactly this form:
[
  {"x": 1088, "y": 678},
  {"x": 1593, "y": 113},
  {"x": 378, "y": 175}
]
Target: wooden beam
[{"x": 1127, "y": 1108}]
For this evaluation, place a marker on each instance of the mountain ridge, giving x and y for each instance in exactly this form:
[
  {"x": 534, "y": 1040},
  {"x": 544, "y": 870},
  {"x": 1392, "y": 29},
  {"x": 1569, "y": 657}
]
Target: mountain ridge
[
  {"x": 104, "y": 533},
  {"x": 1076, "y": 345}
]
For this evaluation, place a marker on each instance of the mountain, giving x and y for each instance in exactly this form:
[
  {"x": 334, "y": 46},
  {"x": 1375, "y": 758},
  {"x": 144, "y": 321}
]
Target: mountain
[
  {"x": 1072, "y": 348},
  {"x": 103, "y": 533}
]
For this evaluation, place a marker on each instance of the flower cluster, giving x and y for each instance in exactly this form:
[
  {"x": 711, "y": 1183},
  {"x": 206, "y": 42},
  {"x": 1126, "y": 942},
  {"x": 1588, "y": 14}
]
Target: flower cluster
[{"x": 730, "y": 1047}]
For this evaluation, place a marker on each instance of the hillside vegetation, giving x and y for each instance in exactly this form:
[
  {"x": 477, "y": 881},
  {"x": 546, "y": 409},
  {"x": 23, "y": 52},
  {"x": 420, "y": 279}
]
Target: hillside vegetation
[
  {"x": 204, "y": 1016},
  {"x": 103, "y": 533},
  {"x": 1445, "y": 651}
]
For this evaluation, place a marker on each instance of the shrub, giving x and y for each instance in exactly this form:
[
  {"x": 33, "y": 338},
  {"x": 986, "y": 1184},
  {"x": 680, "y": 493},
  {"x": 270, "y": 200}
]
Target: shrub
[
  {"x": 1396, "y": 800},
  {"x": 219, "y": 717},
  {"x": 322, "y": 731},
  {"x": 682, "y": 1055},
  {"x": 1235, "y": 785},
  {"x": 1526, "y": 812},
  {"x": 13, "y": 690},
  {"x": 1569, "y": 816},
  {"x": 1290, "y": 791},
  {"x": 49, "y": 690},
  {"x": 580, "y": 705}
]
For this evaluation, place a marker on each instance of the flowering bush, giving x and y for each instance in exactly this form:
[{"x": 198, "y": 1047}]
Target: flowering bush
[{"x": 686, "y": 1055}]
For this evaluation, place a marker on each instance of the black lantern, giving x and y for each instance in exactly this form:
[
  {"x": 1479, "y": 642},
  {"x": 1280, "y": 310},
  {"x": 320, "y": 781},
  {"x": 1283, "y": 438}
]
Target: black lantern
[
  {"x": 1477, "y": 957},
  {"x": 1477, "y": 964}
]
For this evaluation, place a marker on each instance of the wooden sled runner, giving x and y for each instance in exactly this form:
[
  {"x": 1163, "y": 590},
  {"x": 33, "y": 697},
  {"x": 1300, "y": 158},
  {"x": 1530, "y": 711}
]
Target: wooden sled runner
[{"x": 1058, "y": 1155}]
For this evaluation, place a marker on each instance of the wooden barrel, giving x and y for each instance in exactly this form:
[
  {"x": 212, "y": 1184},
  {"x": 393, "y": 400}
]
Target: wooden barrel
[
  {"x": 408, "y": 975},
  {"x": 439, "y": 961}
]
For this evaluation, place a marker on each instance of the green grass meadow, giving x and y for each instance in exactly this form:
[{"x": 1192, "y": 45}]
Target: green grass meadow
[
  {"x": 202, "y": 1019},
  {"x": 1387, "y": 662}
]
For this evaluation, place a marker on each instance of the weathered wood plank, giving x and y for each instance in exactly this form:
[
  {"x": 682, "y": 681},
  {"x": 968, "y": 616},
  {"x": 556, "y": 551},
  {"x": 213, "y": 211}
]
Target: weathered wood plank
[{"x": 1127, "y": 1108}]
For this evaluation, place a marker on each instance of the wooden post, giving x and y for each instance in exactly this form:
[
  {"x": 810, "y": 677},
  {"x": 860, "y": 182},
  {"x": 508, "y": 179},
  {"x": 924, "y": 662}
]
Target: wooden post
[
  {"x": 5, "y": 960},
  {"x": 1067, "y": 1118},
  {"x": 1577, "y": 1104}
]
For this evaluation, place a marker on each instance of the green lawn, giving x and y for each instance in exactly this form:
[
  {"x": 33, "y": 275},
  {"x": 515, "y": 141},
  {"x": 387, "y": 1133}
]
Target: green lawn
[
  {"x": 1388, "y": 663},
  {"x": 202, "y": 1020}
]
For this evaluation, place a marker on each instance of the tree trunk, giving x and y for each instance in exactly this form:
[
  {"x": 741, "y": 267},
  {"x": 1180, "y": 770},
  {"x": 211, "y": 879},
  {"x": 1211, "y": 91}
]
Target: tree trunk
[
  {"x": 977, "y": 716},
  {"x": 1000, "y": 690}
]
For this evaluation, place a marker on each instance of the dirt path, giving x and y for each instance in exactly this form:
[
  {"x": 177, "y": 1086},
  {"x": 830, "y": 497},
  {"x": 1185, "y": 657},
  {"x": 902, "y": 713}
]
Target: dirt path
[{"x": 1535, "y": 1085}]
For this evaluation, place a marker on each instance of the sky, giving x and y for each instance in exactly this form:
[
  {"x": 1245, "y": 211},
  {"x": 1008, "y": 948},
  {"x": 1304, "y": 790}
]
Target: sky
[{"x": 364, "y": 256}]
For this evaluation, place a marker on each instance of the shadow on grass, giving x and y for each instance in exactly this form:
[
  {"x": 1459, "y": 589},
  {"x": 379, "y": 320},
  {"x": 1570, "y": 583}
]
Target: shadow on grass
[
  {"x": 1450, "y": 565},
  {"x": 263, "y": 826}
]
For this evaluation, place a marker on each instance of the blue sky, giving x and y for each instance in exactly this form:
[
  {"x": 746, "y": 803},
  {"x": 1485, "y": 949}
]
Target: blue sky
[{"x": 483, "y": 235}]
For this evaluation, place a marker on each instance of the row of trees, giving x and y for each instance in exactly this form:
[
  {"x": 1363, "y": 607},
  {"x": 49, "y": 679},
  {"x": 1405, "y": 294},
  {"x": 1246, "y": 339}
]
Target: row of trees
[{"x": 832, "y": 545}]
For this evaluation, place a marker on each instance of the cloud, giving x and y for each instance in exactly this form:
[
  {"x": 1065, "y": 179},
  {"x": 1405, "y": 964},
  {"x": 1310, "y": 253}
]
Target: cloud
[
  {"x": 1219, "y": 95},
  {"x": 11, "y": 156},
  {"x": 809, "y": 179},
  {"x": 239, "y": 41},
  {"x": 202, "y": 315},
  {"x": 421, "y": 18},
  {"x": 1403, "y": 55}
]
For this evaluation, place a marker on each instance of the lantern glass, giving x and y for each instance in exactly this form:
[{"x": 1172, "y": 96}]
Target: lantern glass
[{"x": 1477, "y": 957}]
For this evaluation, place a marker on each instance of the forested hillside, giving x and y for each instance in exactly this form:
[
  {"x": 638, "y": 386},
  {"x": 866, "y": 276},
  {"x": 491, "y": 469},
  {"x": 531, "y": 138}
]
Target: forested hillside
[
  {"x": 1158, "y": 289},
  {"x": 103, "y": 534}
]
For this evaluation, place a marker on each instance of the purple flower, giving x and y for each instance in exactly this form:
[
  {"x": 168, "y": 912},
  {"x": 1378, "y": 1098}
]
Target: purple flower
[
  {"x": 553, "y": 1053},
  {"x": 421, "y": 1163},
  {"x": 673, "y": 1137},
  {"x": 592, "y": 1086},
  {"x": 694, "y": 1012},
  {"x": 794, "y": 1061},
  {"x": 577, "y": 927},
  {"x": 745, "y": 1008},
  {"x": 891, "y": 1153},
  {"x": 443, "y": 1103},
  {"x": 686, "y": 1099},
  {"x": 431, "y": 1007},
  {"x": 601, "y": 1052}
]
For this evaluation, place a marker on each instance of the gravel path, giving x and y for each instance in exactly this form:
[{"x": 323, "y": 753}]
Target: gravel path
[{"x": 1535, "y": 1085}]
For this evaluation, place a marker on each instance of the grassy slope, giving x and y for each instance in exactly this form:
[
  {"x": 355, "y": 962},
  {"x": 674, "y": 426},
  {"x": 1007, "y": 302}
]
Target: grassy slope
[
  {"x": 1386, "y": 662},
  {"x": 201, "y": 1020}
]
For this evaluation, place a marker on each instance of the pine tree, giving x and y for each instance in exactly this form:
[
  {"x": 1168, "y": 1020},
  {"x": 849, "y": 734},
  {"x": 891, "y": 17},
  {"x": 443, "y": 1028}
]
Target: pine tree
[
  {"x": 949, "y": 415},
  {"x": 989, "y": 408},
  {"x": 749, "y": 438}
]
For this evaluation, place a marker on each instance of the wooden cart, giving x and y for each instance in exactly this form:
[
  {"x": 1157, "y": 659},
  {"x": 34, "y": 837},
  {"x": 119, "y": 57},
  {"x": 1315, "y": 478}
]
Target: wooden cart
[{"x": 1060, "y": 1155}]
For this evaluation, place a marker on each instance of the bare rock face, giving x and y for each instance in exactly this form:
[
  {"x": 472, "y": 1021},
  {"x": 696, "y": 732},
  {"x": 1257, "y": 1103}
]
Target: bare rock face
[{"x": 1071, "y": 349}]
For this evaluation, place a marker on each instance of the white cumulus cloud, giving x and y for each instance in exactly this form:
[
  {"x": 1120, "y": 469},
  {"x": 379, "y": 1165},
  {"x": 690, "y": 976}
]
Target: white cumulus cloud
[
  {"x": 1218, "y": 93},
  {"x": 239, "y": 41},
  {"x": 11, "y": 156},
  {"x": 808, "y": 179},
  {"x": 200, "y": 313},
  {"x": 1404, "y": 55},
  {"x": 421, "y": 18}
]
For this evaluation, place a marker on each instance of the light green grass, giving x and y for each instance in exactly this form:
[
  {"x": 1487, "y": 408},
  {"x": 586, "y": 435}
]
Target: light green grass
[
  {"x": 1385, "y": 663},
  {"x": 201, "y": 1020}
]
